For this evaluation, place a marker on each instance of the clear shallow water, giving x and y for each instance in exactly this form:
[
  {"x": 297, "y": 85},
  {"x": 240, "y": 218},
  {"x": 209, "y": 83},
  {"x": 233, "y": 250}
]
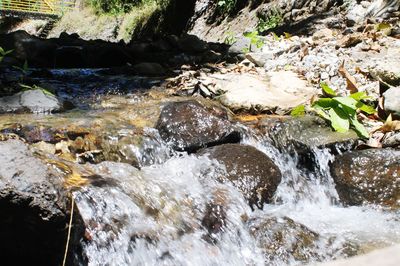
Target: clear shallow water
[{"x": 155, "y": 216}]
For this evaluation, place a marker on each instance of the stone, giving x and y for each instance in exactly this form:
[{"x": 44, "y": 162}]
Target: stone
[
  {"x": 391, "y": 101},
  {"x": 283, "y": 239},
  {"x": 149, "y": 69},
  {"x": 260, "y": 59},
  {"x": 192, "y": 44},
  {"x": 383, "y": 66},
  {"x": 277, "y": 91},
  {"x": 35, "y": 208},
  {"x": 368, "y": 177},
  {"x": 189, "y": 126},
  {"x": 391, "y": 139},
  {"x": 301, "y": 135},
  {"x": 31, "y": 101},
  {"x": 254, "y": 174}
]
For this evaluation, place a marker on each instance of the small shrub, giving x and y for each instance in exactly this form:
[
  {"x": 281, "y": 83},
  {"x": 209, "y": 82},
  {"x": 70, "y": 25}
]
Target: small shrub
[
  {"x": 272, "y": 21},
  {"x": 255, "y": 39},
  {"x": 226, "y": 6}
]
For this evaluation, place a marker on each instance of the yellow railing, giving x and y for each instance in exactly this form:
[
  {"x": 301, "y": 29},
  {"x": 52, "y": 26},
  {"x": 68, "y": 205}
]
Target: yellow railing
[{"x": 40, "y": 7}]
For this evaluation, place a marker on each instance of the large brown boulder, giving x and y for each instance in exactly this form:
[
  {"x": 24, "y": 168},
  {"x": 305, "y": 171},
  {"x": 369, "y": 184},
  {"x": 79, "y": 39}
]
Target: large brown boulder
[
  {"x": 189, "y": 126},
  {"x": 368, "y": 176},
  {"x": 249, "y": 169}
]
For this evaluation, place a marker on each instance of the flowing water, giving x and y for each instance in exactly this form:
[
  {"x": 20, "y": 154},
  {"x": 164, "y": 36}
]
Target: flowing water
[{"x": 156, "y": 215}]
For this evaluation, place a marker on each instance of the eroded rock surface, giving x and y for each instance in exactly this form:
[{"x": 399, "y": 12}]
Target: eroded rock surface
[
  {"x": 34, "y": 210},
  {"x": 280, "y": 90},
  {"x": 368, "y": 176}
]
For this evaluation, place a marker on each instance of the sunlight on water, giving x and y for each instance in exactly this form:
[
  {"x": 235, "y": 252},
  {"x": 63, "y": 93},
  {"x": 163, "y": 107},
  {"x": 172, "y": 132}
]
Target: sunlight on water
[{"x": 160, "y": 215}]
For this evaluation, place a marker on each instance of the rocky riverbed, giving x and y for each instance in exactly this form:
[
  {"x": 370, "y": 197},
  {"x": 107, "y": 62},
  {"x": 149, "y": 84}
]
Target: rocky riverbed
[{"x": 179, "y": 151}]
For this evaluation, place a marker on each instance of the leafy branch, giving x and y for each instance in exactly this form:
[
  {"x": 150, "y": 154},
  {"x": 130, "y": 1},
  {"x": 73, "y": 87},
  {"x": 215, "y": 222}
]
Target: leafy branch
[{"x": 342, "y": 111}]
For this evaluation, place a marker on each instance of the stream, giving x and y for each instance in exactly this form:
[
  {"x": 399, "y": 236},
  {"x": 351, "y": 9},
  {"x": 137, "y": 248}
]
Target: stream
[{"x": 159, "y": 212}]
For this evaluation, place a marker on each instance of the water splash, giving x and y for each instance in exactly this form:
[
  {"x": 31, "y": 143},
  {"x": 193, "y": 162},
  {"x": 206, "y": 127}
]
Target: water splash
[{"x": 159, "y": 215}]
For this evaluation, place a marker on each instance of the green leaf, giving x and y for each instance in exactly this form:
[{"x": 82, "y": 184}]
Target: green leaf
[
  {"x": 251, "y": 34},
  {"x": 322, "y": 113},
  {"x": 361, "y": 95},
  {"x": 358, "y": 127},
  {"x": 328, "y": 91},
  {"x": 25, "y": 66},
  {"x": 346, "y": 101},
  {"x": 1, "y": 51},
  {"x": 298, "y": 111},
  {"x": 276, "y": 37},
  {"x": 8, "y": 52},
  {"x": 366, "y": 108},
  {"x": 324, "y": 103},
  {"x": 339, "y": 120}
]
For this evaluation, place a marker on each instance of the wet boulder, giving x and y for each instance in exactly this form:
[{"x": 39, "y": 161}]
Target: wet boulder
[
  {"x": 30, "y": 101},
  {"x": 368, "y": 177},
  {"x": 301, "y": 135},
  {"x": 189, "y": 126},
  {"x": 34, "y": 210},
  {"x": 254, "y": 174},
  {"x": 284, "y": 240}
]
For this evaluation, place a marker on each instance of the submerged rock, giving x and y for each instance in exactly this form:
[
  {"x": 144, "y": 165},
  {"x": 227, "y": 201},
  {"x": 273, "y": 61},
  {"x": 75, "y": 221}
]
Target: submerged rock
[
  {"x": 277, "y": 91},
  {"x": 282, "y": 239},
  {"x": 189, "y": 126},
  {"x": 249, "y": 169},
  {"x": 368, "y": 176},
  {"x": 31, "y": 101},
  {"x": 34, "y": 212}
]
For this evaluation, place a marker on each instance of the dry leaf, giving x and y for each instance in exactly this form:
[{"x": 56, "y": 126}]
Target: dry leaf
[
  {"x": 350, "y": 80},
  {"x": 390, "y": 125}
]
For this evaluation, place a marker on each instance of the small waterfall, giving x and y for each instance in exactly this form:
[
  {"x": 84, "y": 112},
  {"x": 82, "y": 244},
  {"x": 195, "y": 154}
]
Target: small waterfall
[{"x": 160, "y": 214}]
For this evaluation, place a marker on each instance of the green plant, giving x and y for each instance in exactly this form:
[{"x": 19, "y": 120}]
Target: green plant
[
  {"x": 226, "y": 6},
  {"x": 298, "y": 111},
  {"x": 255, "y": 39},
  {"x": 230, "y": 38},
  {"x": 272, "y": 21},
  {"x": 342, "y": 111},
  {"x": 4, "y": 53},
  {"x": 34, "y": 87}
]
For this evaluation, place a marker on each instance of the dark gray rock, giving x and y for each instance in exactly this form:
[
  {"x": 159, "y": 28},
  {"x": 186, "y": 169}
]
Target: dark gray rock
[
  {"x": 189, "y": 126},
  {"x": 34, "y": 210},
  {"x": 303, "y": 134},
  {"x": 391, "y": 139},
  {"x": 149, "y": 69},
  {"x": 368, "y": 176},
  {"x": 192, "y": 44},
  {"x": 249, "y": 169},
  {"x": 31, "y": 101},
  {"x": 392, "y": 101}
]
